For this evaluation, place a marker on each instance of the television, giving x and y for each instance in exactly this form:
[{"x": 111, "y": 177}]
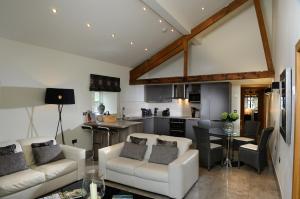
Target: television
[{"x": 286, "y": 104}]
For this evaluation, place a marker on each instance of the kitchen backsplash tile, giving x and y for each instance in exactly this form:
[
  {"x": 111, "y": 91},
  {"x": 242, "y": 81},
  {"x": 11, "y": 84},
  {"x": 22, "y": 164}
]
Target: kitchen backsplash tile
[{"x": 177, "y": 107}]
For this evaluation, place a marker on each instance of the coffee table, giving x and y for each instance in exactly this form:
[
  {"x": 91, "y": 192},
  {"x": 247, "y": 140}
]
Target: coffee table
[{"x": 109, "y": 191}]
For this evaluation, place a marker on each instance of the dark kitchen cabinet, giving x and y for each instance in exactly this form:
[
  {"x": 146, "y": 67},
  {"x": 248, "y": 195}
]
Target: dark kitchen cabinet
[
  {"x": 148, "y": 125},
  {"x": 158, "y": 93},
  {"x": 161, "y": 125},
  {"x": 215, "y": 99}
]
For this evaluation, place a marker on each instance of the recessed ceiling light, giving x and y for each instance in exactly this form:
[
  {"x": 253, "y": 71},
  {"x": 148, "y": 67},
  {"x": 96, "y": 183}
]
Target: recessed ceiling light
[
  {"x": 53, "y": 10},
  {"x": 88, "y": 25},
  {"x": 144, "y": 8},
  {"x": 146, "y": 49},
  {"x": 132, "y": 43},
  {"x": 113, "y": 35},
  {"x": 160, "y": 21},
  {"x": 172, "y": 29},
  {"x": 202, "y": 8}
]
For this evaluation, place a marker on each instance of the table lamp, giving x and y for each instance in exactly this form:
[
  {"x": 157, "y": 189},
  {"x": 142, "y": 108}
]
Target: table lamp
[{"x": 60, "y": 97}]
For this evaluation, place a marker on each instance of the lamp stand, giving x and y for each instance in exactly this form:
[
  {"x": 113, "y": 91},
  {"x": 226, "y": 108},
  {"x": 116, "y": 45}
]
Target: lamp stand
[{"x": 59, "y": 123}]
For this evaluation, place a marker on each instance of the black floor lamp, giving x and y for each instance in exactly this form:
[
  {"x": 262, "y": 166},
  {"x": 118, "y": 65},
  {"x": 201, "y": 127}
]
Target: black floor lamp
[{"x": 60, "y": 97}]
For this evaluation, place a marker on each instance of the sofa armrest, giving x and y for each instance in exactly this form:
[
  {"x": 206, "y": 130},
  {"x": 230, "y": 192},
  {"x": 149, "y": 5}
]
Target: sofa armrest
[
  {"x": 78, "y": 155},
  {"x": 106, "y": 154},
  {"x": 183, "y": 173}
]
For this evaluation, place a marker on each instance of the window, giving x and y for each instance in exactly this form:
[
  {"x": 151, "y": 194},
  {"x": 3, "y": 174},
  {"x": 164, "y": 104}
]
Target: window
[
  {"x": 251, "y": 102},
  {"x": 109, "y": 99}
]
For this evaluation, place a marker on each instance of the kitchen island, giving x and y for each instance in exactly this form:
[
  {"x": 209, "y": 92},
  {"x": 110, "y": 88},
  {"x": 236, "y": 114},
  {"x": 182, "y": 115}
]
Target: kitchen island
[{"x": 113, "y": 133}]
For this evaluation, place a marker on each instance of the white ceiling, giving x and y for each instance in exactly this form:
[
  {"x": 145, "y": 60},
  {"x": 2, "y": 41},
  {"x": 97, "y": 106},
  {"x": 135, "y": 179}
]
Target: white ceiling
[
  {"x": 31, "y": 21},
  {"x": 189, "y": 13}
]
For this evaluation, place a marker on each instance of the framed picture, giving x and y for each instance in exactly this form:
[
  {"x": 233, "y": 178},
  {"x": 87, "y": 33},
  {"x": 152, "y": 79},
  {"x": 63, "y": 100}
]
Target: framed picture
[{"x": 286, "y": 104}]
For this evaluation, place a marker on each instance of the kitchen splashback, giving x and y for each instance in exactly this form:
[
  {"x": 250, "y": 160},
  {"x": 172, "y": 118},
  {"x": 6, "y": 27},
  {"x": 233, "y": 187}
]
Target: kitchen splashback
[{"x": 177, "y": 107}]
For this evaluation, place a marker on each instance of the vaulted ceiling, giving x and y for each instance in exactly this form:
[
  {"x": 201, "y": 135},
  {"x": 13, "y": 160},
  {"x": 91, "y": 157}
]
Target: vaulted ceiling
[{"x": 33, "y": 21}]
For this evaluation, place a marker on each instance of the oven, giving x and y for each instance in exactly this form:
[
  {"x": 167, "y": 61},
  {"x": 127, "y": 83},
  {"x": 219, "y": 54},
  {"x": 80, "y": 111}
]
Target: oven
[{"x": 177, "y": 127}]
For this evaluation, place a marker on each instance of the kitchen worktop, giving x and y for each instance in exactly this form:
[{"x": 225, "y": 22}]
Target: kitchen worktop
[
  {"x": 134, "y": 118},
  {"x": 122, "y": 124}
]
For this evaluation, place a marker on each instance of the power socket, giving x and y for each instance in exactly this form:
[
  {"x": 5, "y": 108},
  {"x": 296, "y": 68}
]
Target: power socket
[{"x": 74, "y": 141}]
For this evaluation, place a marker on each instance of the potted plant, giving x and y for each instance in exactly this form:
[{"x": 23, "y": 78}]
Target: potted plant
[{"x": 229, "y": 118}]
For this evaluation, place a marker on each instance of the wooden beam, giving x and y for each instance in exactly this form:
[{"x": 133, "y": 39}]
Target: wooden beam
[
  {"x": 202, "y": 78},
  {"x": 157, "y": 59},
  {"x": 177, "y": 46},
  {"x": 216, "y": 17},
  {"x": 264, "y": 35},
  {"x": 186, "y": 57}
]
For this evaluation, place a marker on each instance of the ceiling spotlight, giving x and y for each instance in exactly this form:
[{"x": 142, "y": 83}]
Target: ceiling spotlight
[
  {"x": 53, "y": 10},
  {"x": 146, "y": 49},
  {"x": 144, "y": 8},
  {"x": 172, "y": 29},
  {"x": 160, "y": 21},
  {"x": 113, "y": 35},
  {"x": 132, "y": 43},
  {"x": 88, "y": 25},
  {"x": 202, "y": 8}
]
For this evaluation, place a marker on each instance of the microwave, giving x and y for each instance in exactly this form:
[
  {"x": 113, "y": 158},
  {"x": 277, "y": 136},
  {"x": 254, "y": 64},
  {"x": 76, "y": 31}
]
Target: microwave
[{"x": 194, "y": 97}]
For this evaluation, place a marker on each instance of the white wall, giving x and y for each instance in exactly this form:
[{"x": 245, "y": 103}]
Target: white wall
[
  {"x": 34, "y": 69},
  {"x": 232, "y": 46},
  {"x": 286, "y": 33}
]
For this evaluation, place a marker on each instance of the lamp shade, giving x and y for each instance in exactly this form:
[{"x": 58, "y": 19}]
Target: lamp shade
[
  {"x": 275, "y": 85},
  {"x": 59, "y": 96}
]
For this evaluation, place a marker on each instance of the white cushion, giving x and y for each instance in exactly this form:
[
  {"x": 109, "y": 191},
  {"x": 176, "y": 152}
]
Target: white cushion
[
  {"x": 152, "y": 171},
  {"x": 124, "y": 165},
  {"x": 214, "y": 138},
  {"x": 19, "y": 181},
  {"x": 18, "y": 146},
  {"x": 151, "y": 140},
  {"x": 56, "y": 169},
  {"x": 250, "y": 146},
  {"x": 183, "y": 144},
  {"x": 244, "y": 139},
  {"x": 213, "y": 145},
  {"x": 26, "y": 146}
]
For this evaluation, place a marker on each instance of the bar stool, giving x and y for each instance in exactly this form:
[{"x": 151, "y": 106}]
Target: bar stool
[
  {"x": 87, "y": 127},
  {"x": 108, "y": 133}
]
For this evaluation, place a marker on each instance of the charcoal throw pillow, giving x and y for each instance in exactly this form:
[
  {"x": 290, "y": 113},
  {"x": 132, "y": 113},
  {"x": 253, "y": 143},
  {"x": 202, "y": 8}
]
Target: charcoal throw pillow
[
  {"x": 10, "y": 149},
  {"x": 133, "y": 151},
  {"x": 41, "y": 144},
  {"x": 12, "y": 163},
  {"x": 163, "y": 154},
  {"x": 166, "y": 143},
  {"x": 137, "y": 140},
  {"x": 46, "y": 154}
]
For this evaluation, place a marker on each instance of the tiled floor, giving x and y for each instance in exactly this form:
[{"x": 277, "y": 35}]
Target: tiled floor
[
  {"x": 234, "y": 183},
  {"x": 228, "y": 183}
]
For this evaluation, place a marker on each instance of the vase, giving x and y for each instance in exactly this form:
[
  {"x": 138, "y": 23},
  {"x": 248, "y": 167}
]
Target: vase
[
  {"x": 228, "y": 127},
  {"x": 101, "y": 108},
  {"x": 93, "y": 186}
]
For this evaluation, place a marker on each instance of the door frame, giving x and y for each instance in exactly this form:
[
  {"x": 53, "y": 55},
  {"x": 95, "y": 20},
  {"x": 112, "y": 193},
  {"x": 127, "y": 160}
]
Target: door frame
[{"x": 296, "y": 170}]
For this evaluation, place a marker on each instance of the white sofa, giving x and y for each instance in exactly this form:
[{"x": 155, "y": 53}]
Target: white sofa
[
  {"x": 173, "y": 180},
  {"x": 38, "y": 180}
]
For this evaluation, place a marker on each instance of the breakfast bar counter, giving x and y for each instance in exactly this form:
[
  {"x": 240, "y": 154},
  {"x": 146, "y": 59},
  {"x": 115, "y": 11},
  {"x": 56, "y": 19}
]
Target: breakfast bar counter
[{"x": 107, "y": 133}]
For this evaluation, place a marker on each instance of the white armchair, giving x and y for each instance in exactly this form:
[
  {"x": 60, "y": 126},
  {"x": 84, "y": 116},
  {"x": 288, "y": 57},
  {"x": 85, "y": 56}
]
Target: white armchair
[{"x": 173, "y": 180}]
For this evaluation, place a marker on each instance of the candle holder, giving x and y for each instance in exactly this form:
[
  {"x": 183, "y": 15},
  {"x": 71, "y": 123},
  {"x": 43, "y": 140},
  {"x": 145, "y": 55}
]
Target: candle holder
[{"x": 93, "y": 186}]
